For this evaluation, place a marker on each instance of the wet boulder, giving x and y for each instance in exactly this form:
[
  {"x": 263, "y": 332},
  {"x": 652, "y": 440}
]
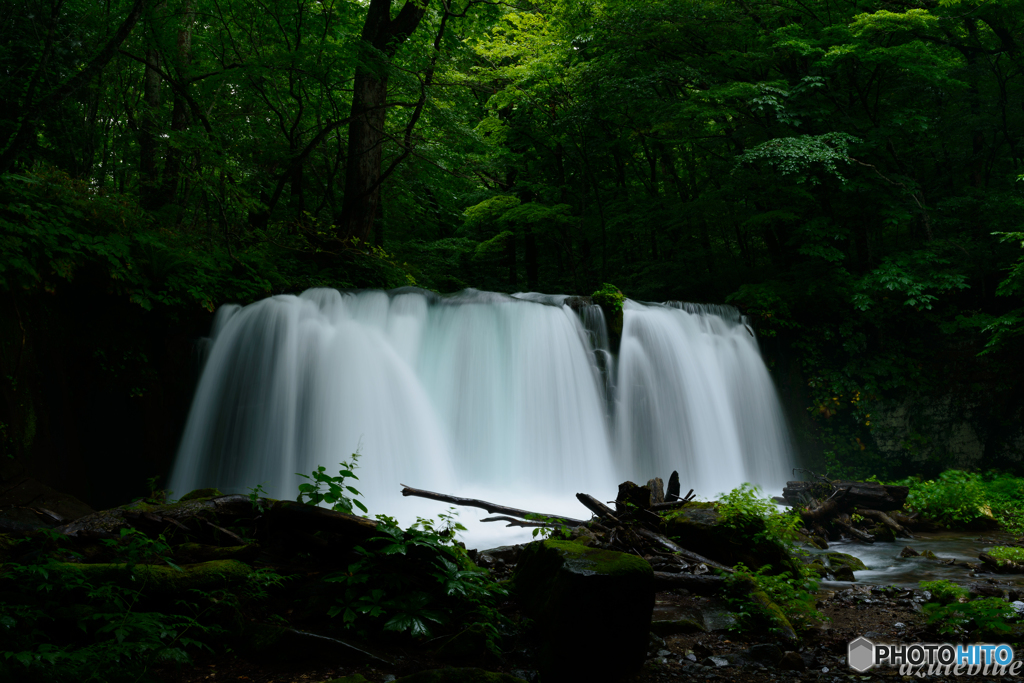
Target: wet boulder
[{"x": 586, "y": 600}]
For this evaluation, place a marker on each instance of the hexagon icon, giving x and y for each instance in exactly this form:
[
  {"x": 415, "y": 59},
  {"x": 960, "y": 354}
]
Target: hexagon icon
[{"x": 861, "y": 654}]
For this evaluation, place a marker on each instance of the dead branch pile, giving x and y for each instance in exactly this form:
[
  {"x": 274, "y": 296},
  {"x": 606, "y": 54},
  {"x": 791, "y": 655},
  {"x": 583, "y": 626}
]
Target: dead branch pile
[
  {"x": 632, "y": 527},
  {"x": 861, "y": 510}
]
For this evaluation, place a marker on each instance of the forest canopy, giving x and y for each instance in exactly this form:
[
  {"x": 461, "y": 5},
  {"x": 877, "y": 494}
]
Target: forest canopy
[{"x": 847, "y": 173}]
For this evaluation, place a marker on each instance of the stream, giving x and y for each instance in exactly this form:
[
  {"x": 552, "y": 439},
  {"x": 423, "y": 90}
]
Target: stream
[{"x": 887, "y": 568}]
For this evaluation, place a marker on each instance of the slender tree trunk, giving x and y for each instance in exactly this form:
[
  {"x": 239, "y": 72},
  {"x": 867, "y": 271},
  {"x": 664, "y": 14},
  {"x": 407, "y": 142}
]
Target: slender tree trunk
[
  {"x": 382, "y": 36},
  {"x": 179, "y": 113},
  {"x": 148, "y": 132}
]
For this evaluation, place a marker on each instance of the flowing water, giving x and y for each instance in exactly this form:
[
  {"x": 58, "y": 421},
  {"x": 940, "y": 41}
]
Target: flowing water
[
  {"x": 513, "y": 399},
  {"x": 887, "y": 568}
]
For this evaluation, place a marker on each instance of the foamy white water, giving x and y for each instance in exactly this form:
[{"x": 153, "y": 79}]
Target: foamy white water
[{"x": 515, "y": 400}]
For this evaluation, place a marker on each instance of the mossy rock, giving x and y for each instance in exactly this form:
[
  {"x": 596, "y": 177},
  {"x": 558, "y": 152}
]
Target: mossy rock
[
  {"x": 843, "y": 574},
  {"x": 200, "y": 493},
  {"x": 836, "y": 560},
  {"x": 929, "y": 555},
  {"x": 161, "y": 579},
  {"x": 819, "y": 569},
  {"x": 460, "y": 675},
  {"x": 354, "y": 678},
  {"x": 586, "y": 600},
  {"x": 883, "y": 534},
  {"x": 698, "y": 528}
]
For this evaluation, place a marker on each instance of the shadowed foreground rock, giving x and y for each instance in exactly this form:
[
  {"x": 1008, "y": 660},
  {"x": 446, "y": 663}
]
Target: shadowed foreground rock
[{"x": 586, "y": 600}]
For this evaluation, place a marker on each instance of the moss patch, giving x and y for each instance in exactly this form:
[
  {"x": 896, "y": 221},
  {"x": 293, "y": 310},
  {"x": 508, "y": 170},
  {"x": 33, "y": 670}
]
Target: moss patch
[
  {"x": 836, "y": 560},
  {"x": 200, "y": 493},
  {"x": 162, "y": 579}
]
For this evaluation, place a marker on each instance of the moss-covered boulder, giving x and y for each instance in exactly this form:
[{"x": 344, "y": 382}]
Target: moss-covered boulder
[
  {"x": 699, "y": 528},
  {"x": 836, "y": 560},
  {"x": 586, "y": 600},
  {"x": 460, "y": 675}
]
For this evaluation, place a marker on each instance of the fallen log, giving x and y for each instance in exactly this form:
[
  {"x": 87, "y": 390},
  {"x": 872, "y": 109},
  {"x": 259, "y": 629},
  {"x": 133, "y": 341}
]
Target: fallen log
[
  {"x": 597, "y": 507},
  {"x": 679, "y": 550},
  {"x": 489, "y": 507},
  {"x": 858, "y": 493},
  {"x": 885, "y": 519},
  {"x": 843, "y": 522},
  {"x": 512, "y": 521},
  {"x": 701, "y": 584}
]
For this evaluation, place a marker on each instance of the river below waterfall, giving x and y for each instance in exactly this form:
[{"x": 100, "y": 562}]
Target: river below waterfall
[{"x": 887, "y": 568}]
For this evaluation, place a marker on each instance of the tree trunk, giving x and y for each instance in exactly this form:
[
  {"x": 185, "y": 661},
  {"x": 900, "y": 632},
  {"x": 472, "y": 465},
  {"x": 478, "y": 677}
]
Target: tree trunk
[{"x": 382, "y": 36}]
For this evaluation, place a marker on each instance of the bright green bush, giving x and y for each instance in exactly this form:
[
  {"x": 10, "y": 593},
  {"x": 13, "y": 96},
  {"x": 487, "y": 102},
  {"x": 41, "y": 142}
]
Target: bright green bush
[{"x": 957, "y": 498}]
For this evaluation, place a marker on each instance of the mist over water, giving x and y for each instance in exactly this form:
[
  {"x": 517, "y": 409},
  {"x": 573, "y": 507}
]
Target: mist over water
[{"x": 516, "y": 400}]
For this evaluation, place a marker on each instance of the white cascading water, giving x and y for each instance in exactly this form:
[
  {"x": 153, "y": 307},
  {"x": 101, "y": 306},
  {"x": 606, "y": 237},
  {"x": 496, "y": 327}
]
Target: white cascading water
[{"x": 515, "y": 400}]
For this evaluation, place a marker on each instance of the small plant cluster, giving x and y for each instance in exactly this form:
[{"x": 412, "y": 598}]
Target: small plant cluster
[
  {"x": 609, "y": 296},
  {"x": 794, "y": 596},
  {"x": 746, "y": 504},
  {"x": 954, "y": 614},
  {"x": 1004, "y": 553},
  {"x": 338, "y": 494}
]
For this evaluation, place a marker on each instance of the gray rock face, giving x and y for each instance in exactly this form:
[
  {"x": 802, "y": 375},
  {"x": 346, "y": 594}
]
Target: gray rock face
[{"x": 586, "y": 600}]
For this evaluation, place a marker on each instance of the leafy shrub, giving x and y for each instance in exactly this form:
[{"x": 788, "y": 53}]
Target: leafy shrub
[
  {"x": 337, "y": 493},
  {"x": 415, "y": 579},
  {"x": 989, "y": 616},
  {"x": 746, "y": 504},
  {"x": 945, "y": 591},
  {"x": 958, "y": 498}
]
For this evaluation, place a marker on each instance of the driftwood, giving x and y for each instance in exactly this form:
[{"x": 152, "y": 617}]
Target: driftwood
[
  {"x": 597, "y": 507},
  {"x": 512, "y": 521},
  {"x": 857, "y": 493},
  {"x": 490, "y": 507},
  {"x": 885, "y": 519},
  {"x": 702, "y": 584},
  {"x": 843, "y": 521},
  {"x": 679, "y": 550}
]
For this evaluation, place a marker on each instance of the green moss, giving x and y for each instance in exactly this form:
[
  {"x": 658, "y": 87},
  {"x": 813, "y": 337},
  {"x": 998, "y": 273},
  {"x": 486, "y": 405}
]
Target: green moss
[
  {"x": 610, "y": 296},
  {"x": 200, "y": 493},
  {"x": 466, "y": 675},
  {"x": 354, "y": 678},
  {"x": 836, "y": 560},
  {"x": 164, "y": 579},
  {"x": 607, "y": 562}
]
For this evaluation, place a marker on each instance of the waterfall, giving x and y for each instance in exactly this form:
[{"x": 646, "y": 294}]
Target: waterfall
[{"x": 514, "y": 399}]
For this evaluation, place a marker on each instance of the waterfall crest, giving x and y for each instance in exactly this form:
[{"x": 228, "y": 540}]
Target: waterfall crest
[{"x": 480, "y": 394}]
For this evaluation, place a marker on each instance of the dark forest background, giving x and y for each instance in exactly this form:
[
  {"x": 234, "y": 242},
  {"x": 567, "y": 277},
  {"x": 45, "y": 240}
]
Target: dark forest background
[{"x": 848, "y": 174}]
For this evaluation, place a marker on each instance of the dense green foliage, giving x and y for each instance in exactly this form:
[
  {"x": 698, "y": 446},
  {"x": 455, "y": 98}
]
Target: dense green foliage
[
  {"x": 60, "y": 626},
  {"x": 956, "y": 498}
]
